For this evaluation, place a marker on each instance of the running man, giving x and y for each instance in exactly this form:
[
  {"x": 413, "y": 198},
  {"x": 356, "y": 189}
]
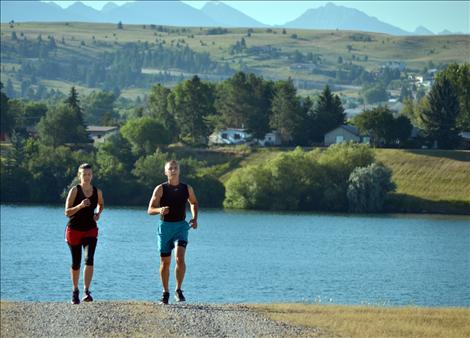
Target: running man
[
  {"x": 169, "y": 201},
  {"x": 83, "y": 207}
]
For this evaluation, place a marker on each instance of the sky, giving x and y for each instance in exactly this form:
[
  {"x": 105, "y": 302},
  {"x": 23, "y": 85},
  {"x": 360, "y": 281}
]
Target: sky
[{"x": 434, "y": 15}]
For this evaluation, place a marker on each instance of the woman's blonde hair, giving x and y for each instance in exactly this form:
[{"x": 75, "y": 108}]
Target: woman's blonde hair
[{"x": 83, "y": 167}]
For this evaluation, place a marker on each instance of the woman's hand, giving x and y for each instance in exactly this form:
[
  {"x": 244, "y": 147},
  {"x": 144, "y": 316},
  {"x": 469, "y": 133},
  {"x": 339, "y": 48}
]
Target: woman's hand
[
  {"x": 96, "y": 217},
  {"x": 85, "y": 203}
]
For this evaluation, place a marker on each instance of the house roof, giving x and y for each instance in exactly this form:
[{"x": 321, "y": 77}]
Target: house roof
[
  {"x": 102, "y": 129},
  {"x": 353, "y": 130}
]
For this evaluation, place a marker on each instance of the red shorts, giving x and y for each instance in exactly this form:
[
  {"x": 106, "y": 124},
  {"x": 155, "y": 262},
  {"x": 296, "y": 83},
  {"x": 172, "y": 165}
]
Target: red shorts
[{"x": 75, "y": 237}]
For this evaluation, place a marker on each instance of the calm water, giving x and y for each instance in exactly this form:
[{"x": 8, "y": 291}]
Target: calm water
[{"x": 248, "y": 257}]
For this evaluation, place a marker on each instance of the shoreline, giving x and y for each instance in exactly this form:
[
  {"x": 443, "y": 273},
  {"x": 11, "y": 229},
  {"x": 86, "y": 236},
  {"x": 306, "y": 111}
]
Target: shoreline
[
  {"x": 143, "y": 318},
  {"x": 320, "y": 213}
]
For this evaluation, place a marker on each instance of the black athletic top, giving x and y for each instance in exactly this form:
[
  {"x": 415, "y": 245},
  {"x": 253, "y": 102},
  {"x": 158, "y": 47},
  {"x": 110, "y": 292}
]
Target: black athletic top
[
  {"x": 83, "y": 220},
  {"x": 175, "y": 197}
]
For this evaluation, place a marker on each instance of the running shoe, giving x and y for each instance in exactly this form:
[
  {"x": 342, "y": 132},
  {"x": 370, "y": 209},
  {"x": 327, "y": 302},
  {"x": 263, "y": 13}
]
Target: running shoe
[
  {"x": 179, "y": 297},
  {"x": 75, "y": 297},
  {"x": 165, "y": 298},
  {"x": 88, "y": 297}
]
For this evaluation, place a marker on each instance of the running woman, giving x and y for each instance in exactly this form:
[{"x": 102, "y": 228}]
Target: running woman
[
  {"x": 169, "y": 201},
  {"x": 83, "y": 207}
]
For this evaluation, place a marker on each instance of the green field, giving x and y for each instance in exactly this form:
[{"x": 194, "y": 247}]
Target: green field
[{"x": 415, "y": 51}]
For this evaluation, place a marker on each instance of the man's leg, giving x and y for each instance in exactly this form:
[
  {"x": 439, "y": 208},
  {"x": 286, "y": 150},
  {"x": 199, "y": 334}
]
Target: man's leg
[
  {"x": 165, "y": 262},
  {"x": 180, "y": 267}
]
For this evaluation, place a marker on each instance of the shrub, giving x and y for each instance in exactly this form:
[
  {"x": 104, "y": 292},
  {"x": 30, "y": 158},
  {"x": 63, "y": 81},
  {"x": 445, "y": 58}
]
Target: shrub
[{"x": 368, "y": 188}]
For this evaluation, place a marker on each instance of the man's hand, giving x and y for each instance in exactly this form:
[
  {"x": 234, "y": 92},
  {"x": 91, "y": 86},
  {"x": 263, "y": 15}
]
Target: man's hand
[
  {"x": 164, "y": 210},
  {"x": 193, "y": 223}
]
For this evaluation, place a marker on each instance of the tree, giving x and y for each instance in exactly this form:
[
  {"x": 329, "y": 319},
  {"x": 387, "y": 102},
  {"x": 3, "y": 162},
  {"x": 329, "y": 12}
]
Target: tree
[
  {"x": 368, "y": 188},
  {"x": 288, "y": 117},
  {"x": 32, "y": 114},
  {"x": 376, "y": 123},
  {"x": 327, "y": 114},
  {"x": 440, "y": 120},
  {"x": 190, "y": 102},
  {"x": 459, "y": 76},
  {"x": 119, "y": 25},
  {"x": 60, "y": 126},
  {"x": 74, "y": 103},
  {"x": 7, "y": 118},
  {"x": 244, "y": 101},
  {"x": 157, "y": 107},
  {"x": 145, "y": 134},
  {"x": 374, "y": 94},
  {"x": 99, "y": 108}
]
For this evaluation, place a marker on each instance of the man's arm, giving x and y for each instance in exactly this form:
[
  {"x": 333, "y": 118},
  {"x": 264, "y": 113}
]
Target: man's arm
[
  {"x": 194, "y": 207},
  {"x": 154, "y": 204},
  {"x": 100, "y": 206}
]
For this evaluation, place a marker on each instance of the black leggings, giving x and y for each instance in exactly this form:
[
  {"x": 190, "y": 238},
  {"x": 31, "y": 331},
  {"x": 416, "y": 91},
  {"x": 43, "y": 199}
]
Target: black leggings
[{"x": 89, "y": 246}]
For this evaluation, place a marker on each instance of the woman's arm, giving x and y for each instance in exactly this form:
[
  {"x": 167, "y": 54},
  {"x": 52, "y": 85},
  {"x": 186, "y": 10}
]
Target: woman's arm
[{"x": 69, "y": 209}]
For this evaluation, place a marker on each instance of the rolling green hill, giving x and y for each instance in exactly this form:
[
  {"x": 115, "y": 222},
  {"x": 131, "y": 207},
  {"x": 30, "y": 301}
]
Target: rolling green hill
[{"x": 305, "y": 55}]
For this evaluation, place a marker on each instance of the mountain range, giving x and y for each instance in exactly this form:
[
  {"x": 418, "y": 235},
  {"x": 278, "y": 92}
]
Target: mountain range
[{"x": 177, "y": 13}]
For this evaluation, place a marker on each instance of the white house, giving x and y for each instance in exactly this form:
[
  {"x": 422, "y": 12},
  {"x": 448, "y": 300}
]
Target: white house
[
  {"x": 344, "y": 133},
  {"x": 229, "y": 136},
  {"x": 271, "y": 139}
]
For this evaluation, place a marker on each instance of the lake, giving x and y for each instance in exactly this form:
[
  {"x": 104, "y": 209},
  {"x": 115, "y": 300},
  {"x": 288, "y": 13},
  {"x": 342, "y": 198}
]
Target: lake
[{"x": 248, "y": 257}]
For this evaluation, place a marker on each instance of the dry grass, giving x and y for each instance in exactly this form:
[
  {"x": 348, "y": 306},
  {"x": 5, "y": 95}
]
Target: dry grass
[
  {"x": 436, "y": 175},
  {"x": 361, "y": 321}
]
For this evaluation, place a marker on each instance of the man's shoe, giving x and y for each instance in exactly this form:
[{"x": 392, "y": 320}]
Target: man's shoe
[
  {"x": 165, "y": 298},
  {"x": 179, "y": 297},
  {"x": 75, "y": 297},
  {"x": 88, "y": 297}
]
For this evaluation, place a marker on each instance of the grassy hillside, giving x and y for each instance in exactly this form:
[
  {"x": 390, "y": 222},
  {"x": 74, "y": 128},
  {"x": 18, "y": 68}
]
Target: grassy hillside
[
  {"x": 427, "y": 180},
  {"x": 88, "y": 41}
]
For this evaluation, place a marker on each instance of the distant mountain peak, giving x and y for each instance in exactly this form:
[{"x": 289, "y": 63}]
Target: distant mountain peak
[
  {"x": 421, "y": 30},
  {"x": 446, "y": 32},
  {"x": 226, "y": 15},
  {"x": 109, "y": 7},
  {"x": 331, "y": 16}
]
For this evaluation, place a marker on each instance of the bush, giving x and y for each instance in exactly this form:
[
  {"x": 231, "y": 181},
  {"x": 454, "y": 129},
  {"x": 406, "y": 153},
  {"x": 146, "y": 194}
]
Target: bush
[
  {"x": 298, "y": 180},
  {"x": 368, "y": 188}
]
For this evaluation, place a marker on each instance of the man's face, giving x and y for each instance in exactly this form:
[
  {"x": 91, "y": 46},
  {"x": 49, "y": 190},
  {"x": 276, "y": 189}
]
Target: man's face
[{"x": 172, "y": 170}]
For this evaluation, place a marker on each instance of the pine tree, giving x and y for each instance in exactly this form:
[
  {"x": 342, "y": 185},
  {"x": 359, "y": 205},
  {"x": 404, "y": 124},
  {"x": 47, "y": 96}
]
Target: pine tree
[
  {"x": 439, "y": 120},
  {"x": 288, "y": 117},
  {"x": 73, "y": 102},
  {"x": 327, "y": 115}
]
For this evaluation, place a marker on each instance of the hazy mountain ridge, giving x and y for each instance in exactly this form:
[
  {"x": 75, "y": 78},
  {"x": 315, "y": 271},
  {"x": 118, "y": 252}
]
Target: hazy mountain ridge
[{"x": 177, "y": 13}]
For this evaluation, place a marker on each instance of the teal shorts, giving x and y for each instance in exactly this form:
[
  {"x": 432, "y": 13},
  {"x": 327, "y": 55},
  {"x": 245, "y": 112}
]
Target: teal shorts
[{"x": 170, "y": 233}]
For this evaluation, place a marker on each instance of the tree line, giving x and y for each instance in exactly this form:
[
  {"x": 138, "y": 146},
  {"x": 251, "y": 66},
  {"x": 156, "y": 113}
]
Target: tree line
[{"x": 128, "y": 163}]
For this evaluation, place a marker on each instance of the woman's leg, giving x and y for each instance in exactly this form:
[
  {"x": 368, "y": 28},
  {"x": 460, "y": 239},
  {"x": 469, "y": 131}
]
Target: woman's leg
[
  {"x": 76, "y": 251},
  {"x": 89, "y": 244}
]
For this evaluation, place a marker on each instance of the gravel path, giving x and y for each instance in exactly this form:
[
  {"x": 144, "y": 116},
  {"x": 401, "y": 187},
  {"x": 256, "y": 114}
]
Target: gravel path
[{"x": 142, "y": 319}]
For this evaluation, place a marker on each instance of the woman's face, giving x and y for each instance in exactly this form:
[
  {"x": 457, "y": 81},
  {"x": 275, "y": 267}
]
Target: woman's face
[{"x": 85, "y": 175}]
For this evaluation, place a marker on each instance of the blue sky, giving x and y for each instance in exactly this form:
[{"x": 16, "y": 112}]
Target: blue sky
[{"x": 434, "y": 15}]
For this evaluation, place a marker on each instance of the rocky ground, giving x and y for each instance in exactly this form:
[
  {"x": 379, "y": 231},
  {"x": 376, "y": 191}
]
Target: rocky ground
[{"x": 106, "y": 319}]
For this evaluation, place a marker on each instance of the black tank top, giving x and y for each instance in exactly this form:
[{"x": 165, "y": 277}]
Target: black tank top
[
  {"x": 175, "y": 197},
  {"x": 83, "y": 220}
]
